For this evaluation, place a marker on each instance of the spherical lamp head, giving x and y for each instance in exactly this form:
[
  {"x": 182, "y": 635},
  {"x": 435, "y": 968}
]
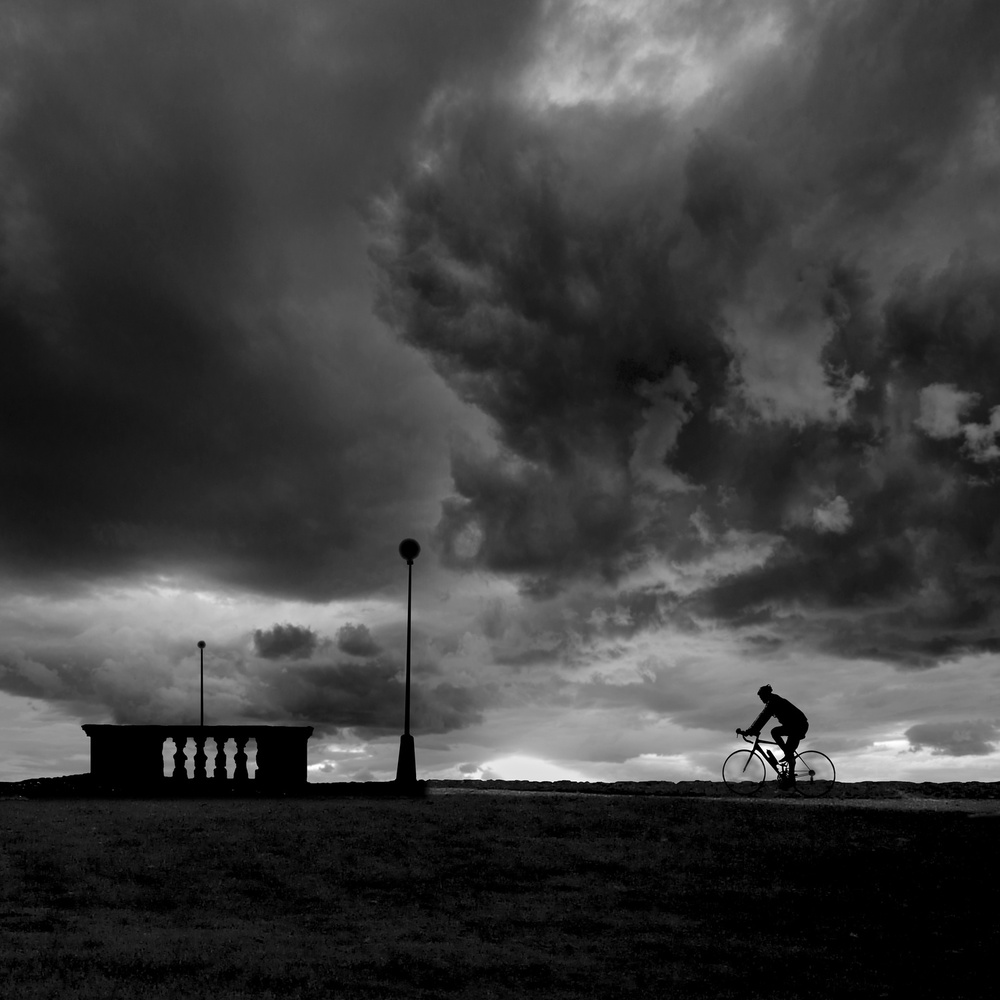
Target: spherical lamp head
[
  {"x": 409, "y": 549},
  {"x": 201, "y": 643}
]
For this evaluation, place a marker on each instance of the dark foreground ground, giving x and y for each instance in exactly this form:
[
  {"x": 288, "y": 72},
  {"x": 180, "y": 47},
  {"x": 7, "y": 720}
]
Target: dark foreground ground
[
  {"x": 81, "y": 786},
  {"x": 497, "y": 895}
]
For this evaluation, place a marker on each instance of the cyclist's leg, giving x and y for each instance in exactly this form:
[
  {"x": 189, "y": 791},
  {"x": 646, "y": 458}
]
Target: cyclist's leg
[
  {"x": 779, "y": 734},
  {"x": 792, "y": 741},
  {"x": 784, "y": 776}
]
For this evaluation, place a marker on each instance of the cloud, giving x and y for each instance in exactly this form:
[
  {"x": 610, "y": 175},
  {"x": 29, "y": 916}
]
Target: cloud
[
  {"x": 156, "y": 680},
  {"x": 136, "y": 687},
  {"x": 982, "y": 441},
  {"x": 834, "y": 516},
  {"x": 709, "y": 316},
  {"x": 367, "y": 698},
  {"x": 193, "y": 384},
  {"x": 663, "y": 420},
  {"x": 356, "y": 640},
  {"x": 542, "y": 300},
  {"x": 941, "y": 409},
  {"x": 955, "y": 739},
  {"x": 285, "y": 641}
]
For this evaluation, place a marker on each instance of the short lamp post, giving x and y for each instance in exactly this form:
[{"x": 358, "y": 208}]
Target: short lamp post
[
  {"x": 406, "y": 767},
  {"x": 201, "y": 653}
]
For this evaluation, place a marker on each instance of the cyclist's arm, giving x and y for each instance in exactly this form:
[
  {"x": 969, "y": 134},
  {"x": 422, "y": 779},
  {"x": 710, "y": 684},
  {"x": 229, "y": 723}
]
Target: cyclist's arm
[{"x": 758, "y": 723}]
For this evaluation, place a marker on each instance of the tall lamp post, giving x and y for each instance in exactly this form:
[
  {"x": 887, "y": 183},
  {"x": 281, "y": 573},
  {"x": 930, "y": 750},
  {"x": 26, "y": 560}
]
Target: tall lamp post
[
  {"x": 201, "y": 653},
  {"x": 406, "y": 767}
]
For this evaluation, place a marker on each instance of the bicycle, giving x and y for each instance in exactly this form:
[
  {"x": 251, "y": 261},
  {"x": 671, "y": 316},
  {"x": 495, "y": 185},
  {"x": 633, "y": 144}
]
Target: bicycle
[{"x": 744, "y": 771}]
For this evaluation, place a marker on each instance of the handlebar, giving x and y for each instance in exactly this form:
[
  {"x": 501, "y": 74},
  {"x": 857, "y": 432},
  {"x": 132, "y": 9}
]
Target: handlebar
[{"x": 751, "y": 739}]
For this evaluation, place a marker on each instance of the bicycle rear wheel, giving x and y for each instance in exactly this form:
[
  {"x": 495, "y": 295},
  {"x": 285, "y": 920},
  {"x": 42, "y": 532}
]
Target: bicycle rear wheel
[
  {"x": 744, "y": 772},
  {"x": 815, "y": 774}
]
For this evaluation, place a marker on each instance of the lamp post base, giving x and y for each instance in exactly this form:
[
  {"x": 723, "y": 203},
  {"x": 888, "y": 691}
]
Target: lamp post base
[{"x": 406, "y": 767}]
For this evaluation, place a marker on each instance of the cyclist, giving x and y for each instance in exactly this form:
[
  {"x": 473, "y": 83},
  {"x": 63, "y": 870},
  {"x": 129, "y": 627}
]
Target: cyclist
[{"x": 788, "y": 734}]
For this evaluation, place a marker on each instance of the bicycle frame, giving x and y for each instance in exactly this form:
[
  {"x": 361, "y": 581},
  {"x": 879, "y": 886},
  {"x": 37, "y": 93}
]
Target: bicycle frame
[{"x": 765, "y": 755}]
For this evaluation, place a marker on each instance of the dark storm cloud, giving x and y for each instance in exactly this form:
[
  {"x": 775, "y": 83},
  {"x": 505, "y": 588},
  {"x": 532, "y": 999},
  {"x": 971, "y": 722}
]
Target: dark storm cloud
[
  {"x": 920, "y": 504},
  {"x": 190, "y": 379},
  {"x": 877, "y": 92},
  {"x": 910, "y": 649},
  {"x": 288, "y": 681},
  {"x": 614, "y": 288},
  {"x": 356, "y": 640},
  {"x": 366, "y": 697},
  {"x": 286, "y": 640},
  {"x": 955, "y": 739},
  {"x": 130, "y": 687},
  {"x": 544, "y": 296}
]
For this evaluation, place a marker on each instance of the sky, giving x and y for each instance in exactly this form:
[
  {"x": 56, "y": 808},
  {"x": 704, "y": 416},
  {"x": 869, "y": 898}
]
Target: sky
[{"x": 670, "y": 330}]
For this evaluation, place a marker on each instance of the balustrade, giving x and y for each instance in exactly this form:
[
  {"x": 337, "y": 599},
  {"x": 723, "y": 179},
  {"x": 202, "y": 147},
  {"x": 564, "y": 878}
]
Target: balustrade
[
  {"x": 216, "y": 752},
  {"x": 135, "y": 755}
]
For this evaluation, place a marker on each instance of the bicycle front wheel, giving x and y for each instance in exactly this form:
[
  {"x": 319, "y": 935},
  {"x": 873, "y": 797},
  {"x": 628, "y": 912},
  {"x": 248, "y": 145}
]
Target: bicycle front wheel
[
  {"x": 814, "y": 773},
  {"x": 744, "y": 772}
]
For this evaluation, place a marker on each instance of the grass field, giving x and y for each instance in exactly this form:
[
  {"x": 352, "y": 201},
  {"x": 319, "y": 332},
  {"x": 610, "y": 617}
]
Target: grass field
[{"x": 493, "y": 896}]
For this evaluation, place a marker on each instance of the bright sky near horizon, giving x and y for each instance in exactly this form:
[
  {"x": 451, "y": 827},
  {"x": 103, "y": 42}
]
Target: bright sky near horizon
[{"x": 671, "y": 330}]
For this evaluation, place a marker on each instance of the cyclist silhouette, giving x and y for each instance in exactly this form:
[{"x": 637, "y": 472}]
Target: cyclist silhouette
[{"x": 788, "y": 734}]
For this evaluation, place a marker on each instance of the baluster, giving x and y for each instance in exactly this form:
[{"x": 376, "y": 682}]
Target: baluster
[
  {"x": 200, "y": 757},
  {"x": 180, "y": 758},
  {"x": 263, "y": 758},
  {"x": 240, "y": 759},
  {"x": 220, "y": 758}
]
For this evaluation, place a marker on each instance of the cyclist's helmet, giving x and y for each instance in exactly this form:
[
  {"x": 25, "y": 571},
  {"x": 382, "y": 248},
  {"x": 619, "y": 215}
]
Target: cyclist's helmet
[{"x": 764, "y": 692}]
